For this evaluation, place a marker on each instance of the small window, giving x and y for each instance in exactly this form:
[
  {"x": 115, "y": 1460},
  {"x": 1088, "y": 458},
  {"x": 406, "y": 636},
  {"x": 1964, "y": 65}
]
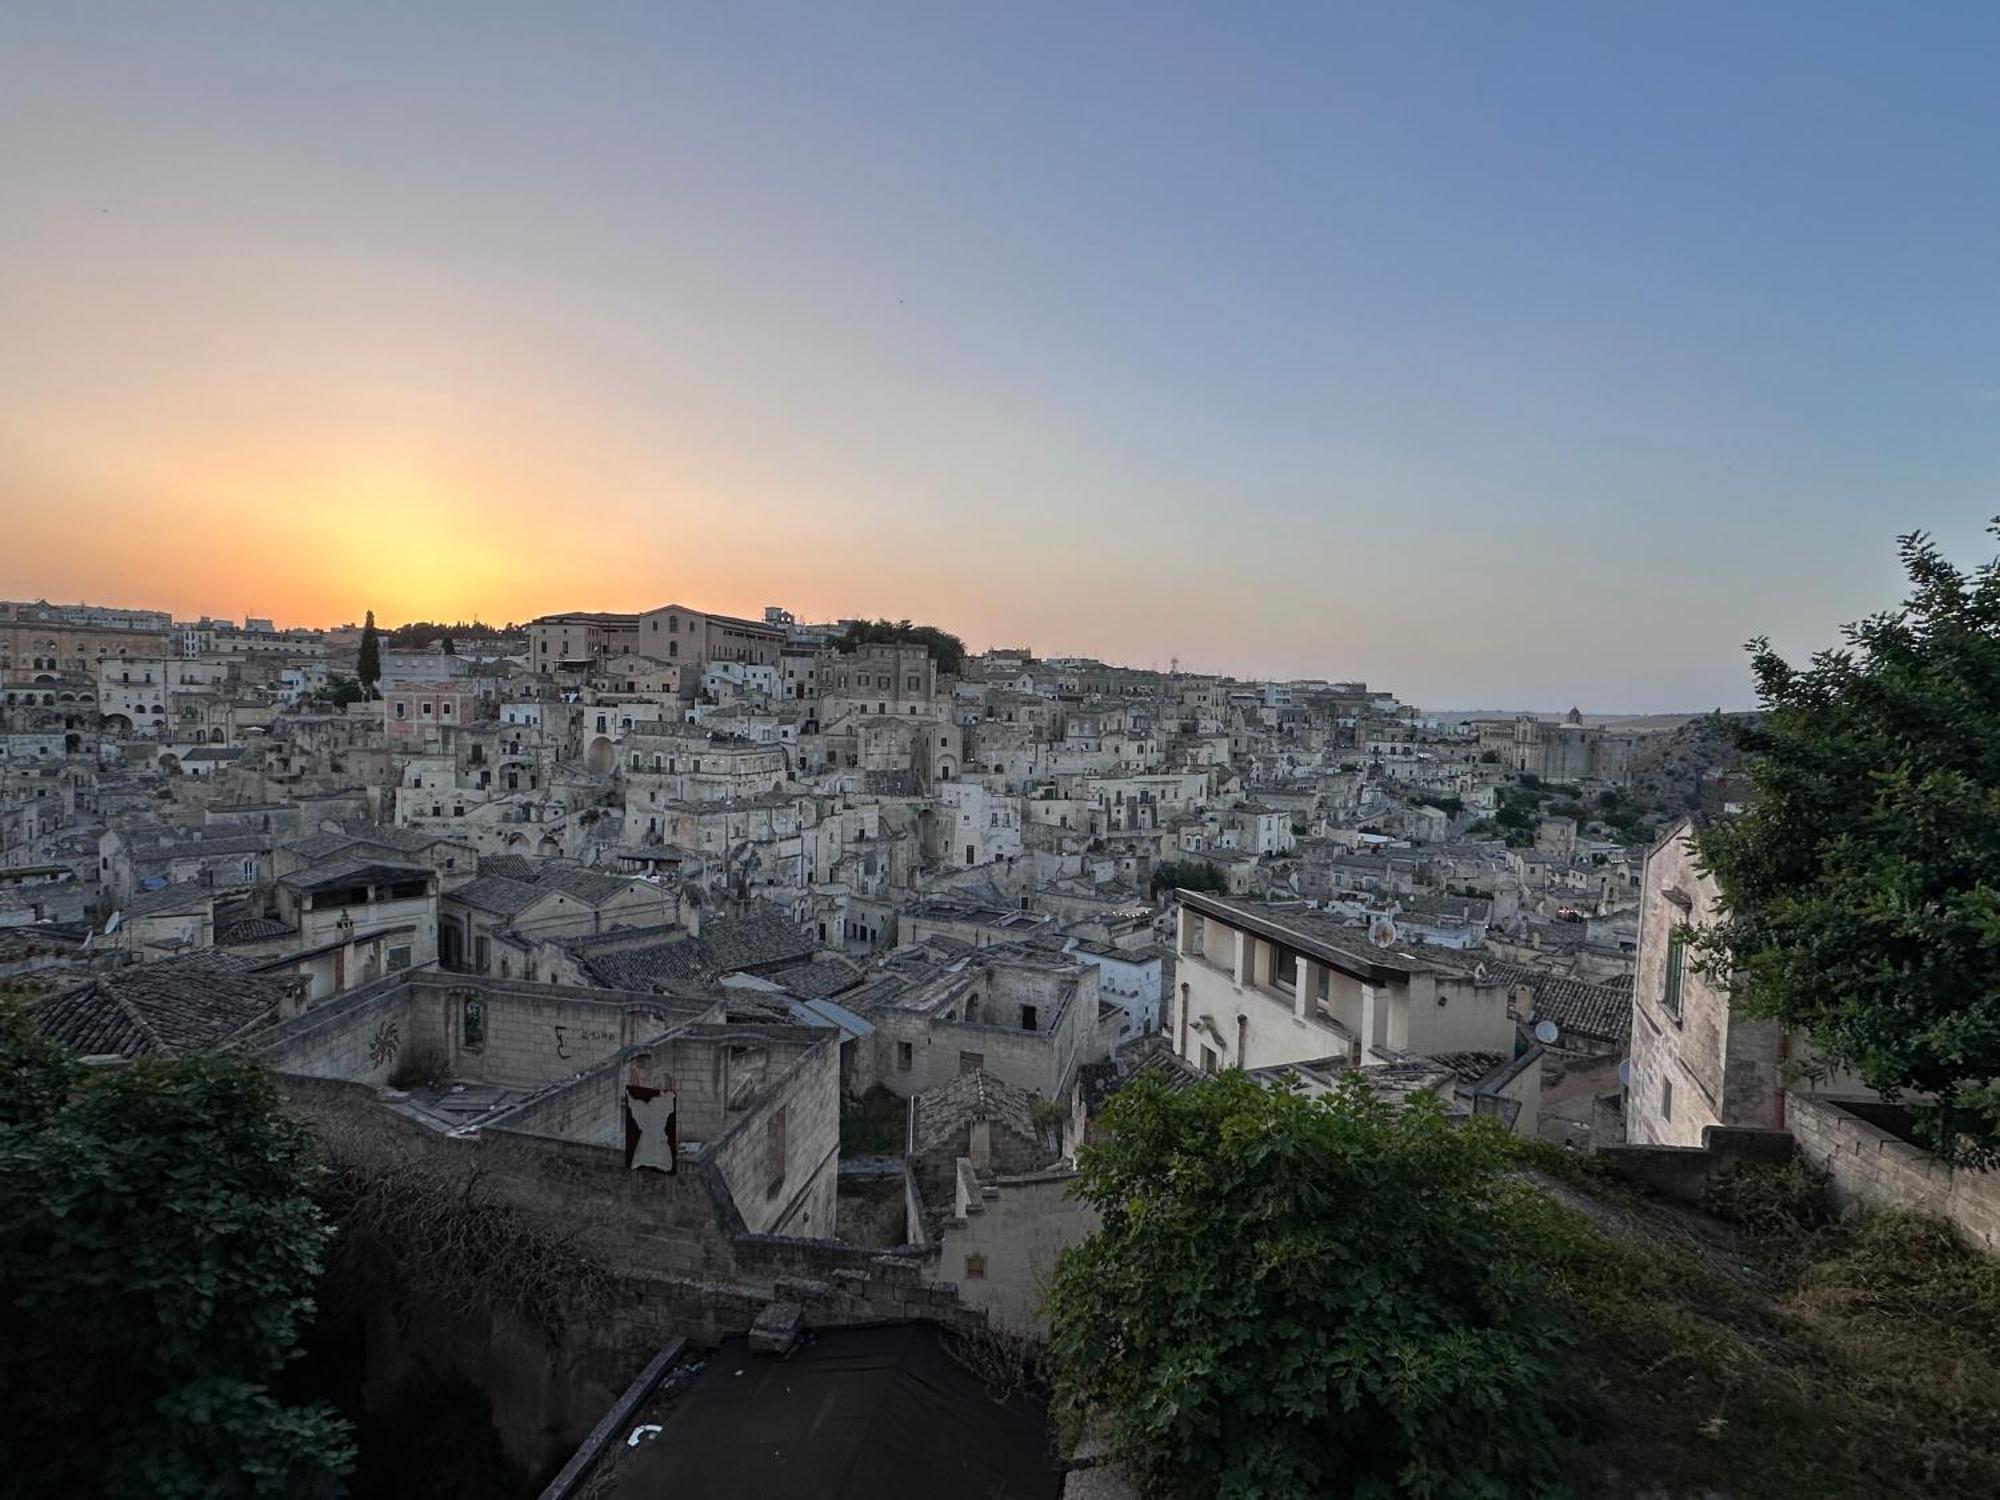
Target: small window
[
  {"x": 1670, "y": 997},
  {"x": 472, "y": 1024},
  {"x": 774, "y": 1151},
  {"x": 1209, "y": 1060},
  {"x": 975, "y": 1268},
  {"x": 399, "y": 957},
  {"x": 906, "y": 1056},
  {"x": 1028, "y": 1018},
  {"x": 971, "y": 1062},
  {"x": 1666, "y": 1098}
]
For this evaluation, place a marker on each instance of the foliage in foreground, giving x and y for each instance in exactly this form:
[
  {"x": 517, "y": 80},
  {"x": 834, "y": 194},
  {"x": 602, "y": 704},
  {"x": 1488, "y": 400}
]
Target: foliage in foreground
[
  {"x": 1295, "y": 1296},
  {"x": 1800, "y": 1363},
  {"x": 156, "y": 1253},
  {"x": 1863, "y": 884}
]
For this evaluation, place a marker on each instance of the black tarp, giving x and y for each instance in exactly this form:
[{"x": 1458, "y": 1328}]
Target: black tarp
[{"x": 854, "y": 1414}]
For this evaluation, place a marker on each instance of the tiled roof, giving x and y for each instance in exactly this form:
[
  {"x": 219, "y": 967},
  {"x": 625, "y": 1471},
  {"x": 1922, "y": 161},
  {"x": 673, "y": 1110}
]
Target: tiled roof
[
  {"x": 1596, "y": 1012},
  {"x": 1152, "y": 1056},
  {"x": 511, "y": 866},
  {"x": 344, "y": 871},
  {"x": 587, "y": 886},
  {"x": 946, "y": 1113},
  {"x": 760, "y": 937},
  {"x": 169, "y": 900},
  {"x": 817, "y": 979},
  {"x": 496, "y": 893},
  {"x": 250, "y": 930},
  {"x": 677, "y": 963},
  {"x": 193, "y": 1004},
  {"x": 1470, "y": 1066}
]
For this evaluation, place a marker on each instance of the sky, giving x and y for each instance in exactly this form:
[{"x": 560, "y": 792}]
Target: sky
[{"x": 1501, "y": 355}]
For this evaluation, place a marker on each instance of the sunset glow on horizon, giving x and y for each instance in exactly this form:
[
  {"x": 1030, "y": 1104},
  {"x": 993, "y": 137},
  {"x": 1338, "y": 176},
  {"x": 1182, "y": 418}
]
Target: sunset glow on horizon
[{"x": 1473, "y": 359}]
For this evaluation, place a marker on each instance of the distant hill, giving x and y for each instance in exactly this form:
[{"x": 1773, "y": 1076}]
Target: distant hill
[
  {"x": 1675, "y": 774},
  {"x": 1636, "y": 722}
]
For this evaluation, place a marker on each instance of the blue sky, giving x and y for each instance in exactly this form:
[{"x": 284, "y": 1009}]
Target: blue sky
[{"x": 1503, "y": 355}]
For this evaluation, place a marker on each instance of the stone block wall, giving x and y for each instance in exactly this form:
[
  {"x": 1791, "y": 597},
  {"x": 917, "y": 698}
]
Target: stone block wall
[
  {"x": 1684, "y": 1172},
  {"x": 1870, "y": 1166}
]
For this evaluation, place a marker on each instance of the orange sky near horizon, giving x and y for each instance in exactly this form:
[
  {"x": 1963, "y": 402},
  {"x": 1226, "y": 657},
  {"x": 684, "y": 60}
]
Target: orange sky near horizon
[{"x": 1386, "y": 347}]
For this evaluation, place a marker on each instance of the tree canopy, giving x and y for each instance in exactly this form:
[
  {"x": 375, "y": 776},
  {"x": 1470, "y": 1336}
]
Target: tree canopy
[
  {"x": 1862, "y": 885},
  {"x": 947, "y": 650},
  {"x": 159, "y": 1242},
  {"x": 1302, "y": 1296},
  {"x": 1190, "y": 875}
]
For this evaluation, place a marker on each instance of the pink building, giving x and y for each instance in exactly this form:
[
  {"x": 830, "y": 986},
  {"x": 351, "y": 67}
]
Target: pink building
[{"x": 414, "y": 712}]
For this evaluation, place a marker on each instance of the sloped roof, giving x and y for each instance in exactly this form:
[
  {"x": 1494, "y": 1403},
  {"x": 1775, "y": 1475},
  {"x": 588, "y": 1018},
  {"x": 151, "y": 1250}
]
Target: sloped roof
[
  {"x": 171, "y": 900},
  {"x": 251, "y": 929},
  {"x": 347, "y": 871},
  {"x": 1596, "y": 1012},
  {"x": 818, "y": 978},
  {"x": 587, "y": 886},
  {"x": 947, "y": 1112},
  {"x": 184, "y": 1005},
  {"x": 498, "y": 894},
  {"x": 512, "y": 866}
]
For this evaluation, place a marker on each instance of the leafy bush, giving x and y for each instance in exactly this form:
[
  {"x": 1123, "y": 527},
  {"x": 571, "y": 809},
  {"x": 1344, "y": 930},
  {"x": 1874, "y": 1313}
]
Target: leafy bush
[
  {"x": 873, "y": 1124},
  {"x": 1294, "y": 1296},
  {"x": 1768, "y": 1198},
  {"x": 158, "y": 1247},
  {"x": 1190, "y": 875}
]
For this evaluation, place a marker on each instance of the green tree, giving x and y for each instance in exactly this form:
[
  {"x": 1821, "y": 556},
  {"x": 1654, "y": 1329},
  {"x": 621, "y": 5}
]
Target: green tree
[
  {"x": 1296, "y": 1296},
  {"x": 447, "y": 647},
  {"x": 341, "y": 691},
  {"x": 1862, "y": 886},
  {"x": 1190, "y": 875},
  {"x": 369, "y": 665},
  {"x": 947, "y": 650},
  {"x": 159, "y": 1241}
]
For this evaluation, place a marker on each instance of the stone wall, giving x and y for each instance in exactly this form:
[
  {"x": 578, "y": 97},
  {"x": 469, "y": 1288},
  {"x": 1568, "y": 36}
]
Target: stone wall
[
  {"x": 1684, "y": 1172},
  {"x": 1003, "y": 1248},
  {"x": 1870, "y": 1166}
]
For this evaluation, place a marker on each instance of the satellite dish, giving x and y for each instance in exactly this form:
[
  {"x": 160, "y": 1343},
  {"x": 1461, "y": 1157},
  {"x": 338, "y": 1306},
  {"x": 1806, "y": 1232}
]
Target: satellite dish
[
  {"x": 1546, "y": 1033},
  {"x": 1625, "y": 1073}
]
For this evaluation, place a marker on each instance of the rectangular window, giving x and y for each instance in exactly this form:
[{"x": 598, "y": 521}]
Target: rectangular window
[
  {"x": 1209, "y": 1060},
  {"x": 1666, "y": 1098},
  {"x": 1284, "y": 968},
  {"x": 975, "y": 1268},
  {"x": 971, "y": 1062},
  {"x": 906, "y": 1056},
  {"x": 1670, "y": 997},
  {"x": 774, "y": 1151},
  {"x": 399, "y": 958},
  {"x": 1028, "y": 1018}
]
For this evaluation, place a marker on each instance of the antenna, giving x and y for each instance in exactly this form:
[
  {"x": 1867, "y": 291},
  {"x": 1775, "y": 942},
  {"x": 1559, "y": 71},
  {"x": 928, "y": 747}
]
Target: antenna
[{"x": 1546, "y": 1033}]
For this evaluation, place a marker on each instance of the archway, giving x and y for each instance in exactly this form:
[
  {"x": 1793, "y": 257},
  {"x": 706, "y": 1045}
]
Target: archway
[{"x": 597, "y": 756}]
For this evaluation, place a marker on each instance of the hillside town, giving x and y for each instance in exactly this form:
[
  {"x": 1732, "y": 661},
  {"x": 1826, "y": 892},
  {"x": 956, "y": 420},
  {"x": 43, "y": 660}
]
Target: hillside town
[
  {"x": 792, "y": 964},
  {"x": 997, "y": 864}
]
